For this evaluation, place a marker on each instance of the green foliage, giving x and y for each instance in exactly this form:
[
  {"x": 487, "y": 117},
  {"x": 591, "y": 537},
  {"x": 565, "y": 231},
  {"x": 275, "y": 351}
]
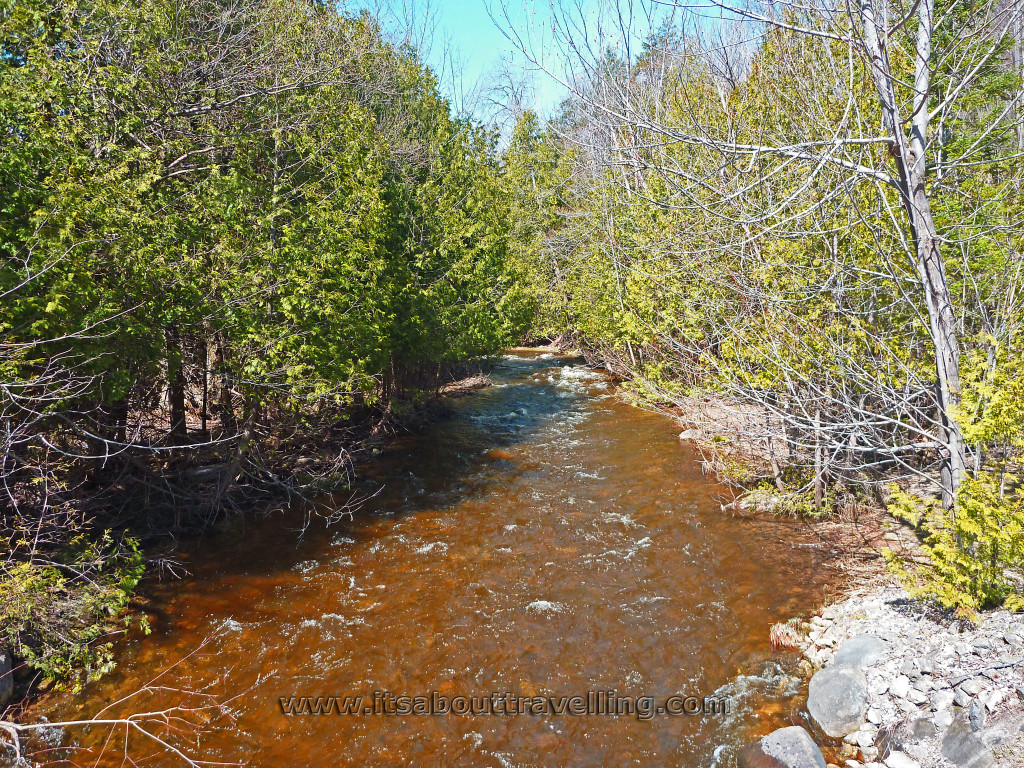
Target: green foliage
[
  {"x": 55, "y": 616},
  {"x": 259, "y": 211},
  {"x": 970, "y": 551},
  {"x": 534, "y": 176},
  {"x": 329, "y": 237},
  {"x": 977, "y": 551}
]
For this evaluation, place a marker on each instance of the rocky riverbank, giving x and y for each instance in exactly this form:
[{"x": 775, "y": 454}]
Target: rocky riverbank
[{"x": 895, "y": 683}]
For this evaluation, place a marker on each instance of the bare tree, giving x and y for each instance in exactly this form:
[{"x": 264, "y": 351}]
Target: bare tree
[{"x": 849, "y": 131}]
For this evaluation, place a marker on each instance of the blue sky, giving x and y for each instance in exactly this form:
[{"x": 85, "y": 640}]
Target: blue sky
[
  {"x": 467, "y": 48},
  {"x": 481, "y": 46}
]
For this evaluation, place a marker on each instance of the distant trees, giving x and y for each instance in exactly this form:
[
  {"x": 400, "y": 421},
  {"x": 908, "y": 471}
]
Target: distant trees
[{"x": 803, "y": 221}]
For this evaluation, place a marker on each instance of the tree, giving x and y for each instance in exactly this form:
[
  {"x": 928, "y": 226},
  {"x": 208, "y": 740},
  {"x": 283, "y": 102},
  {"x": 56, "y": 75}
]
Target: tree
[{"x": 791, "y": 160}]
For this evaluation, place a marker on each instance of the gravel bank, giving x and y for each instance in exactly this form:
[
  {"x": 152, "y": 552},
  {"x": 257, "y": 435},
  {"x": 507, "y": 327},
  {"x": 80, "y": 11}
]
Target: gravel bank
[{"x": 936, "y": 692}]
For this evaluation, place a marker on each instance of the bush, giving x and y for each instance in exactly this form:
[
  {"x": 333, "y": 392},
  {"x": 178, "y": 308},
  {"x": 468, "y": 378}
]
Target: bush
[
  {"x": 972, "y": 553},
  {"x": 54, "y": 614}
]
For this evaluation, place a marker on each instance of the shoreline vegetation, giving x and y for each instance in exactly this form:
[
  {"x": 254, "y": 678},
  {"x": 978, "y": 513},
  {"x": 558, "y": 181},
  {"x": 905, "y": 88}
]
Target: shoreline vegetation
[
  {"x": 236, "y": 238},
  {"x": 245, "y": 242}
]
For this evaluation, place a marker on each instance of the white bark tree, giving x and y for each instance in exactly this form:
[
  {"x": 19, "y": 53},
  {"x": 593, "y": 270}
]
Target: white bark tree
[{"x": 823, "y": 158}]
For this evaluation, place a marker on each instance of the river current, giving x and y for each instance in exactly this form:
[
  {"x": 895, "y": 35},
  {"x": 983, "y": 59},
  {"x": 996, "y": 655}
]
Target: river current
[{"x": 545, "y": 540}]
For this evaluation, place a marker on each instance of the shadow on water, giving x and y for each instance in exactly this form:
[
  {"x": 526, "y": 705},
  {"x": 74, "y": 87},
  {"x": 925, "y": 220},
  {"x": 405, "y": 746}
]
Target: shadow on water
[
  {"x": 455, "y": 459},
  {"x": 544, "y": 540}
]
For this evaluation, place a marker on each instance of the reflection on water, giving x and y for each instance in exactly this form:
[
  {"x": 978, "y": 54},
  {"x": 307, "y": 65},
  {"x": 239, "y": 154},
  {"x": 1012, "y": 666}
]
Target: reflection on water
[{"x": 546, "y": 539}]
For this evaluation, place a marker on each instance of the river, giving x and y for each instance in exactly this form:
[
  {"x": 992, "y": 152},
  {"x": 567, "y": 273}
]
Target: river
[{"x": 544, "y": 540}]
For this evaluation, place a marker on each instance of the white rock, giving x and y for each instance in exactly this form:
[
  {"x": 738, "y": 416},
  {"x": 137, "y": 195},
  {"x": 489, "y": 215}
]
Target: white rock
[
  {"x": 941, "y": 699},
  {"x": 878, "y": 686},
  {"x": 994, "y": 699},
  {"x": 923, "y": 683},
  {"x": 900, "y": 686},
  {"x": 874, "y": 716},
  {"x": 972, "y": 687},
  {"x": 961, "y": 697},
  {"x": 901, "y": 760},
  {"x": 915, "y": 696},
  {"x": 864, "y": 738},
  {"x": 942, "y": 720}
]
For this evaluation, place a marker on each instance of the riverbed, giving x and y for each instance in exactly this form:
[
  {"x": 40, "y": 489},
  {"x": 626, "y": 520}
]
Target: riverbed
[{"x": 544, "y": 540}]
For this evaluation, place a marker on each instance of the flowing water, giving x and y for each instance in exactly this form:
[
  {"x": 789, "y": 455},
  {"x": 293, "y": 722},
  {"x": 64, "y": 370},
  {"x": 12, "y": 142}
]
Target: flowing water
[{"x": 544, "y": 540}]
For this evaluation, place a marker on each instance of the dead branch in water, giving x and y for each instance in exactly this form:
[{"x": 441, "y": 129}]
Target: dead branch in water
[{"x": 168, "y": 729}]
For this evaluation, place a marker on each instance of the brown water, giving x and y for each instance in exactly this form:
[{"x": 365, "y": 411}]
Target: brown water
[{"x": 546, "y": 539}]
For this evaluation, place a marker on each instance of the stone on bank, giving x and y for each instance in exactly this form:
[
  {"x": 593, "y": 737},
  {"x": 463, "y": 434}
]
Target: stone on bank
[
  {"x": 837, "y": 700},
  {"x": 790, "y": 747}
]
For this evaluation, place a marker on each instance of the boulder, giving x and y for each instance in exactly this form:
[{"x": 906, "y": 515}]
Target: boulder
[
  {"x": 6, "y": 679},
  {"x": 790, "y": 747},
  {"x": 860, "y": 651},
  {"x": 837, "y": 700},
  {"x": 961, "y": 746},
  {"x": 690, "y": 434}
]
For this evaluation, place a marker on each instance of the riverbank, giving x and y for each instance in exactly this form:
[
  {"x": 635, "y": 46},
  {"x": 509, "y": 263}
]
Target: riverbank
[
  {"x": 293, "y": 475},
  {"x": 893, "y": 681},
  {"x": 906, "y": 686}
]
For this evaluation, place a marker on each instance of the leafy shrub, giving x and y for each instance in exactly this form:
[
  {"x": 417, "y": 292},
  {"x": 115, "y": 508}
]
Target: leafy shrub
[
  {"x": 972, "y": 552},
  {"x": 53, "y": 614}
]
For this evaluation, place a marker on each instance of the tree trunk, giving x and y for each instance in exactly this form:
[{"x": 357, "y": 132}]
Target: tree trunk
[
  {"x": 204, "y": 414},
  {"x": 176, "y": 388},
  {"x": 818, "y": 494},
  {"x": 911, "y": 162}
]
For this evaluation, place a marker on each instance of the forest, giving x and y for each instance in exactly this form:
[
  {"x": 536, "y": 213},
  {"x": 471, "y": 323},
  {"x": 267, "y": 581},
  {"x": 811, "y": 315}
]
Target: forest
[
  {"x": 799, "y": 231},
  {"x": 233, "y": 235},
  {"x": 239, "y": 236}
]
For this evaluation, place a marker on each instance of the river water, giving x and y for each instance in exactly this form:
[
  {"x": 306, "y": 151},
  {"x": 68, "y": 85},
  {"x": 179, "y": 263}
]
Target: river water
[{"x": 546, "y": 540}]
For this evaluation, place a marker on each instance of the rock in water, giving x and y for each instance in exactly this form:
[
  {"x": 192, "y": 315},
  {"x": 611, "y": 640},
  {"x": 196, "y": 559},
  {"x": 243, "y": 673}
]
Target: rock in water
[
  {"x": 790, "y": 747},
  {"x": 962, "y": 746},
  {"x": 6, "y": 679},
  {"x": 860, "y": 652},
  {"x": 837, "y": 700}
]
